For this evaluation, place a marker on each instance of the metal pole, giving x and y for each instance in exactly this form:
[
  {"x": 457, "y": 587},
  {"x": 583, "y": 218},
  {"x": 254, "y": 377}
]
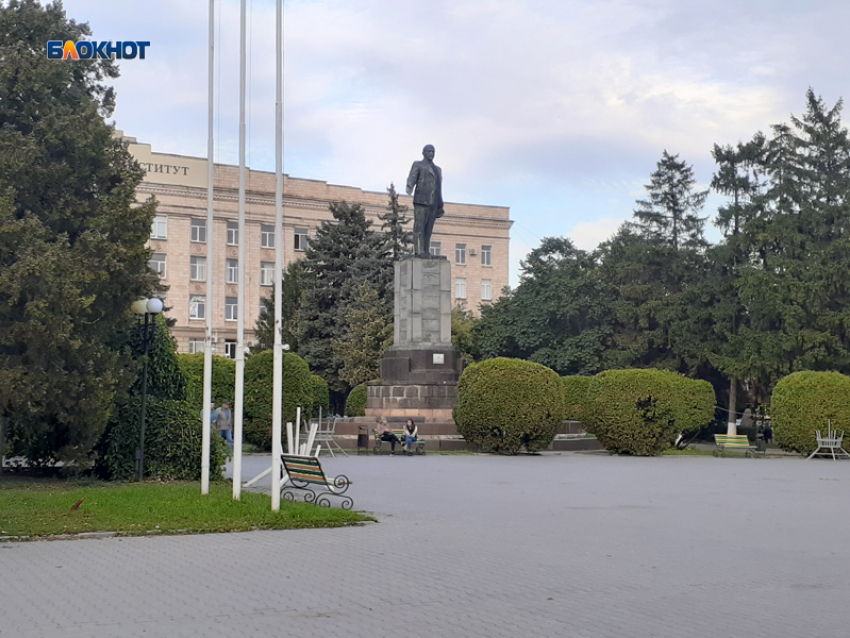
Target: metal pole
[
  {"x": 240, "y": 299},
  {"x": 208, "y": 309},
  {"x": 141, "y": 456},
  {"x": 277, "y": 364}
]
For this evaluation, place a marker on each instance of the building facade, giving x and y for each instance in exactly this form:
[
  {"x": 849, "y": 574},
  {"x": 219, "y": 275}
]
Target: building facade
[{"x": 474, "y": 238}]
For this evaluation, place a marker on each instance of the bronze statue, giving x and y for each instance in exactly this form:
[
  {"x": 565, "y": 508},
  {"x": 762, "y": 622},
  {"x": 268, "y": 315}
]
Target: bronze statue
[{"x": 427, "y": 178}]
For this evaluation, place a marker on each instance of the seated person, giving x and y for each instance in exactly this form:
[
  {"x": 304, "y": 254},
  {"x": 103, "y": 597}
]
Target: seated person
[
  {"x": 410, "y": 432},
  {"x": 386, "y": 434}
]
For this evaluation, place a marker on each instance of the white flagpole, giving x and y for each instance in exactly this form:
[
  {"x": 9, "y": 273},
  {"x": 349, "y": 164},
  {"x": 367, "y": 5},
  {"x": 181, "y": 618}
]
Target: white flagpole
[
  {"x": 205, "y": 437},
  {"x": 240, "y": 299},
  {"x": 277, "y": 375}
]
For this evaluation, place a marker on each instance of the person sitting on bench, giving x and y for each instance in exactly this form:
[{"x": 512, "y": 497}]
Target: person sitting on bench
[
  {"x": 410, "y": 432},
  {"x": 386, "y": 434}
]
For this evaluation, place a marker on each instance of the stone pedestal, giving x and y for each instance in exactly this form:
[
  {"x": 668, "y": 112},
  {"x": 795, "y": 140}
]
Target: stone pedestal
[{"x": 420, "y": 371}]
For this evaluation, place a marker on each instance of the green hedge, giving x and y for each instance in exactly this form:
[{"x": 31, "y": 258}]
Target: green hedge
[
  {"x": 173, "y": 442},
  {"x": 505, "y": 404},
  {"x": 297, "y": 391},
  {"x": 804, "y": 402},
  {"x": 575, "y": 396},
  {"x": 223, "y": 379},
  {"x": 642, "y": 412},
  {"x": 355, "y": 405}
]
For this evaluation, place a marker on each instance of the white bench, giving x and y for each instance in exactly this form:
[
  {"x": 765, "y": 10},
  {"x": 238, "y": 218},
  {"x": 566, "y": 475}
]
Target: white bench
[{"x": 830, "y": 444}]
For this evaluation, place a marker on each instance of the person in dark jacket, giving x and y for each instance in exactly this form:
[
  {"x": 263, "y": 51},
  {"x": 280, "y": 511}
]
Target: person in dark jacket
[{"x": 427, "y": 180}]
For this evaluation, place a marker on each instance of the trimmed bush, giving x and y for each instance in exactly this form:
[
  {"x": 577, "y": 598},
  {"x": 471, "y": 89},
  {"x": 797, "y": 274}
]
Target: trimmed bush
[
  {"x": 642, "y": 412},
  {"x": 173, "y": 436},
  {"x": 223, "y": 379},
  {"x": 355, "y": 405},
  {"x": 575, "y": 396},
  {"x": 321, "y": 396},
  {"x": 506, "y": 404},
  {"x": 804, "y": 402},
  {"x": 297, "y": 391}
]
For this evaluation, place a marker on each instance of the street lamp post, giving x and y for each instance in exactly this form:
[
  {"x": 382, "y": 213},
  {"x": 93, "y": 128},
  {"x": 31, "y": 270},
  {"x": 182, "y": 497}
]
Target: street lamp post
[{"x": 149, "y": 308}]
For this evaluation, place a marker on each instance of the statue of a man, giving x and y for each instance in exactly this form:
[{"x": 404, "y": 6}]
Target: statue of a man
[{"x": 427, "y": 178}]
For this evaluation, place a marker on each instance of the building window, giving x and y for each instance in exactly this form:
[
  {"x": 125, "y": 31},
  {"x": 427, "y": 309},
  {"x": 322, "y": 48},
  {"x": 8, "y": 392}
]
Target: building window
[
  {"x": 460, "y": 254},
  {"x": 301, "y": 239},
  {"x": 197, "y": 307},
  {"x": 232, "y": 275},
  {"x": 486, "y": 255},
  {"x": 436, "y": 247},
  {"x": 232, "y": 233},
  {"x": 196, "y": 346},
  {"x": 157, "y": 264},
  {"x": 230, "y": 348},
  {"x": 267, "y": 273},
  {"x": 159, "y": 227},
  {"x": 486, "y": 290},
  {"x": 231, "y": 308},
  {"x": 267, "y": 236},
  {"x": 198, "y": 268},
  {"x": 199, "y": 231},
  {"x": 460, "y": 288}
]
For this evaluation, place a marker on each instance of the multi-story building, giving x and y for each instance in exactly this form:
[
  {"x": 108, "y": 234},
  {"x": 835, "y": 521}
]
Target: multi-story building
[{"x": 474, "y": 238}]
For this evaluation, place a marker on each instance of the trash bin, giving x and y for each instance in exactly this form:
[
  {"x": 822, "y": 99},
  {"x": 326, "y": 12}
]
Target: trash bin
[{"x": 362, "y": 439}]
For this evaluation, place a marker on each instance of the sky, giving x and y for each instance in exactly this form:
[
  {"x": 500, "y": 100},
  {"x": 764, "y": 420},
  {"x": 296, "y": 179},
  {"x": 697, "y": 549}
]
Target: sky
[{"x": 558, "y": 109}]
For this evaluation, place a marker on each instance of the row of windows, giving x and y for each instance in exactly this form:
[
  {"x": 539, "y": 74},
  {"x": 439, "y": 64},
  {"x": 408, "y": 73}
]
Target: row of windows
[
  {"x": 159, "y": 230},
  {"x": 198, "y": 308},
  {"x": 461, "y": 252},
  {"x": 197, "y": 345},
  {"x": 198, "y": 269},
  {"x": 486, "y": 289}
]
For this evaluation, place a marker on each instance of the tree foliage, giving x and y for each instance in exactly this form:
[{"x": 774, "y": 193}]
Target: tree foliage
[
  {"x": 72, "y": 239},
  {"x": 291, "y": 295},
  {"x": 370, "y": 332}
]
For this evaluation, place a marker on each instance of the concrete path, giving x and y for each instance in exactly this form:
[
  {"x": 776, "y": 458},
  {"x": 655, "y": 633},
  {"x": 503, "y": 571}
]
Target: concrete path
[{"x": 556, "y": 545}]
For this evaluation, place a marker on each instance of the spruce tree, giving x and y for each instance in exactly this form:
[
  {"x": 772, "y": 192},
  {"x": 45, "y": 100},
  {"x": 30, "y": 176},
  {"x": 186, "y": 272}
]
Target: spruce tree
[
  {"x": 395, "y": 222},
  {"x": 72, "y": 240}
]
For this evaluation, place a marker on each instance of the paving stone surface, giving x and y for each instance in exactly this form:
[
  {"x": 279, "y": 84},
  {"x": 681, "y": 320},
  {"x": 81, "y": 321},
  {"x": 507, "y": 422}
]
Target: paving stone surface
[{"x": 575, "y": 545}]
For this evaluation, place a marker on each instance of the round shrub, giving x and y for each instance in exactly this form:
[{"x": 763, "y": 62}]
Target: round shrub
[
  {"x": 642, "y": 412},
  {"x": 505, "y": 404},
  {"x": 355, "y": 405},
  {"x": 807, "y": 401},
  {"x": 223, "y": 379},
  {"x": 259, "y": 377},
  {"x": 173, "y": 442},
  {"x": 575, "y": 396}
]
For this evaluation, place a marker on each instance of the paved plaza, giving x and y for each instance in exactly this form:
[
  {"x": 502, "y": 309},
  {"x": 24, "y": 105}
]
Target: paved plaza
[{"x": 571, "y": 544}]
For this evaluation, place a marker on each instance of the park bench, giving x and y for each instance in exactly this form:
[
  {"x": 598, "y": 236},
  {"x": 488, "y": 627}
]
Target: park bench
[
  {"x": 727, "y": 442},
  {"x": 830, "y": 444},
  {"x": 304, "y": 471},
  {"x": 381, "y": 446}
]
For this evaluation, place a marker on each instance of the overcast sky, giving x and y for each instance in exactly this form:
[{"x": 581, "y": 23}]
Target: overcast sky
[{"x": 558, "y": 109}]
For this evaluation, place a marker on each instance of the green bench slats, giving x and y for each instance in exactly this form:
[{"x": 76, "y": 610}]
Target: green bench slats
[{"x": 733, "y": 442}]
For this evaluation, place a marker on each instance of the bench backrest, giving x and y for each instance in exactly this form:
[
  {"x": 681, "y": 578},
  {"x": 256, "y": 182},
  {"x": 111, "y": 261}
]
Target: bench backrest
[
  {"x": 732, "y": 440},
  {"x": 398, "y": 433},
  {"x": 304, "y": 468}
]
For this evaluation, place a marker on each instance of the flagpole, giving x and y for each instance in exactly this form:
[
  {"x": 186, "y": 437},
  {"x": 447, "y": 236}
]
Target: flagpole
[
  {"x": 240, "y": 300},
  {"x": 277, "y": 392},
  {"x": 207, "y": 393}
]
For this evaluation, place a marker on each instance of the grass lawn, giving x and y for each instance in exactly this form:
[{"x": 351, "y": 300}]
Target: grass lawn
[{"x": 45, "y": 509}]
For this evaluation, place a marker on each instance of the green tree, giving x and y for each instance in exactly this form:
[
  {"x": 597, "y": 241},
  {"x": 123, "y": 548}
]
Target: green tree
[
  {"x": 559, "y": 315},
  {"x": 464, "y": 340},
  {"x": 291, "y": 295},
  {"x": 72, "y": 240},
  {"x": 394, "y": 225},
  {"x": 343, "y": 254},
  {"x": 369, "y": 333}
]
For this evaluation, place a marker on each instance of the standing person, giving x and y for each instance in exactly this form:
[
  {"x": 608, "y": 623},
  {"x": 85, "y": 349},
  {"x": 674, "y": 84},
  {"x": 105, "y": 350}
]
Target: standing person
[
  {"x": 386, "y": 434},
  {"x": 224, "y": 421},
  {"x": 213, "y": 415},
  {"x": 410, "y": 432},
  {"x": 427, "y": 178}
]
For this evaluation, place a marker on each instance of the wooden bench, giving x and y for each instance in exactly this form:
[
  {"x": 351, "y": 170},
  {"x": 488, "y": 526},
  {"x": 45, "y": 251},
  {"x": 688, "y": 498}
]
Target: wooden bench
[
  {"x": 726, "y": 442},
  {"x": 304, "y": 471},
  {"x": 418, "y": 444}
]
